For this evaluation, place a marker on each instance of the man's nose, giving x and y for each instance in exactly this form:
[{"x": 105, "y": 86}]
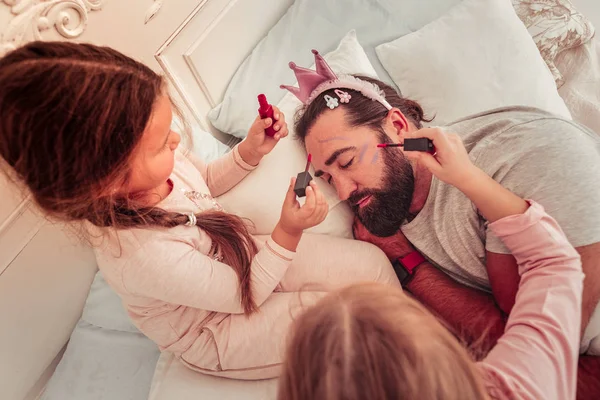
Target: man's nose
[{"x": 344, "y": 187}]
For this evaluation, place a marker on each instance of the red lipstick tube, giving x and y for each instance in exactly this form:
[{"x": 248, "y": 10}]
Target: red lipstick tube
[{"x": 266, "y": 111}]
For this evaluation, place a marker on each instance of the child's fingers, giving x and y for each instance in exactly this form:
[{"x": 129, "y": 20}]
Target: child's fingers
[
  {"x": 309, "y": 205},
  {"x": 319, "y": 214},
  {"x": 284, "y": 131},
  {"x": 426, "y": 160},
  {"x": 323, "y": 211},
  {"x": 278, "y": 115},
  {"x": 259, "y": 125},
  {"x": 320, "y": 196},
  {"x": 322, "y": 207},
  {"x": 430, "y": 133},
  {"x": 436, "y": 135},
  {"x": 267, "y": 122},
  {"x": 290, "y": 196}
]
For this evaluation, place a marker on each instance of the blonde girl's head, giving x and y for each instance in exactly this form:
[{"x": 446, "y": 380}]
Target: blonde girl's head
[{"x": 371, "y": 341}]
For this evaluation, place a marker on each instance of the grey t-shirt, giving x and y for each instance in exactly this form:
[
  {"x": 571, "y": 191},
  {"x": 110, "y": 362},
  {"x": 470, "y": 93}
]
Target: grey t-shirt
[{"x": 536, "y": 155}]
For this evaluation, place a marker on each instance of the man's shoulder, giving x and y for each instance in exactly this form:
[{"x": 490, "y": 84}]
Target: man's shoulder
[
  {"x": 516, "y": 131},
  {"x": 512, "y": 115}
]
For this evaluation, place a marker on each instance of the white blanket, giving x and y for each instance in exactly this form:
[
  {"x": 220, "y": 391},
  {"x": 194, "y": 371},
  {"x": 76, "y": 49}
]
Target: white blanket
[
  {"x": 581, "y": 92},
  {"x": 172, "y": 380}
]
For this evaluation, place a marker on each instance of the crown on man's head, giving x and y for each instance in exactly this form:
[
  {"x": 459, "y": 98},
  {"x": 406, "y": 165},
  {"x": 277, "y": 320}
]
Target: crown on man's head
[{"x": 309, "y": 80}]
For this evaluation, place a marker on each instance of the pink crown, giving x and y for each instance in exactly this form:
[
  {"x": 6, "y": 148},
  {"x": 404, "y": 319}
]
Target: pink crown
[{"x": 309, "y": 80}]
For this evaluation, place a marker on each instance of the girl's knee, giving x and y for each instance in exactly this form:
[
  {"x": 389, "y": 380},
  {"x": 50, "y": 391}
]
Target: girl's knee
[{"x": 379, "y": 263}]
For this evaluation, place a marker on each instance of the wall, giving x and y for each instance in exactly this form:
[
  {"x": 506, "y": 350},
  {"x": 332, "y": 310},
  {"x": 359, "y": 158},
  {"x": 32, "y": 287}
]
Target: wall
[
  {"x": 45, "y": 272},
  {"x": 591, "y": 9}
]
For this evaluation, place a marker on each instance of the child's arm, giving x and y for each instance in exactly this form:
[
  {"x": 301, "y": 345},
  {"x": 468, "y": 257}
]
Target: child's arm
[
  {"x": 224, "y": 173},
  {"x": 175, "y": 271},
  {"x": 536, "y": 358},
  {"x": 537, "y": 355},
  {"x": 452, "y": 165}
]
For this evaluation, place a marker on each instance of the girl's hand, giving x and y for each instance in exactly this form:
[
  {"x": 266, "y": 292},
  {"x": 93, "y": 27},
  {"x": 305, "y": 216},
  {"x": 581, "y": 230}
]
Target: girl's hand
[
  {"x": 295, "y": 218},
  {"x": 451, "y": 163},
  {"x": 257, "y": 144}
]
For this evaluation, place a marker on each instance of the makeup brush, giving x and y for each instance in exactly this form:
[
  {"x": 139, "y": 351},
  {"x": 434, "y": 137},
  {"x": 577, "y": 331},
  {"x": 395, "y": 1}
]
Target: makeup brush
[
  {"x": 418, "y": 144},
  {"x": 303, "y": 179}
]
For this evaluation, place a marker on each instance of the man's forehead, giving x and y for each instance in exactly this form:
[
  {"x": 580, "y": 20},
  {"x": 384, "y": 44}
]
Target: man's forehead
[
  {"x": 323, "y": 148},
  {"x": 324, "y": 142},
  {"x": 329, "y": 129}
]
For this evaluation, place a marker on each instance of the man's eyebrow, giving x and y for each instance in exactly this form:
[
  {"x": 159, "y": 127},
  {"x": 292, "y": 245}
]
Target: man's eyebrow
[
  {"x": 338, "y": 153},
  {"x": 333, "y": 157}
]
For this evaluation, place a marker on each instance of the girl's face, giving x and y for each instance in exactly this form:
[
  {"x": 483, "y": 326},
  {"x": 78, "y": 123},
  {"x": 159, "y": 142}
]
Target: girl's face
[{"x": 154, "y": 158}]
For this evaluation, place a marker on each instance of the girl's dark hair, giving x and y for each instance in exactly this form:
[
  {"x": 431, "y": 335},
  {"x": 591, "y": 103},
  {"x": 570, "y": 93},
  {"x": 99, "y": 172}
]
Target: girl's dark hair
[
  {"x": 71, "y": 116},
  {"x": 361, "y": 110}
]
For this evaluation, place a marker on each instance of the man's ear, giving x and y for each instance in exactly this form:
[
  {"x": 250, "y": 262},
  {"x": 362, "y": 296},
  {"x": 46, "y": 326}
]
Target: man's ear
[{"x": 398, "y": 122}]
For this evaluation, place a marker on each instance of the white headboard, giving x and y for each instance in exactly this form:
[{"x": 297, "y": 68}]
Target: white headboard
[
  {"x": 44, "y": 274},
  {"x": 201, "y": 57}
]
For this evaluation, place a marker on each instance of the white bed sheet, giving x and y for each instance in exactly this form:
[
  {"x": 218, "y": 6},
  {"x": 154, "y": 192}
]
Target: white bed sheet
[
  {"x": 174, "y": 381},
  {"x": 104, "y": 365},
  {"x": 107, "y": 358}
]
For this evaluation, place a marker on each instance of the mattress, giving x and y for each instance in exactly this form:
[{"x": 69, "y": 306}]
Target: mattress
[
  {"x": 107, "y": 358},
  {"x": 172, "y": 380}
]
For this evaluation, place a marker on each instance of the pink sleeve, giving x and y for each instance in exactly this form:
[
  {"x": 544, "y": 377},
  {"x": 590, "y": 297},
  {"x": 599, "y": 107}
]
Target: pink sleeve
[
  {"x": 536, "y": 358},
  {"x": 223, "y": 173},
  {"x": 175, "y": 272}
]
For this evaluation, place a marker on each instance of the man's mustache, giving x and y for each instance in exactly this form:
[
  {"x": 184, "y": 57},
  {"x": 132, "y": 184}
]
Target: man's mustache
[{"x": 355, "y": 197}]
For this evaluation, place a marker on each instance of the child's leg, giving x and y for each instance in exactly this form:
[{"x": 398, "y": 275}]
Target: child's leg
[
  {"x": 325, "y": 263},
  {"x": 250, "y": 348}
]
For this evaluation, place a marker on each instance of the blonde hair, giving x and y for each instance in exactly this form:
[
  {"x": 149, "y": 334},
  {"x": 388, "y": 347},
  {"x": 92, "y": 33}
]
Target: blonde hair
[{"x": 371, "y": 341}]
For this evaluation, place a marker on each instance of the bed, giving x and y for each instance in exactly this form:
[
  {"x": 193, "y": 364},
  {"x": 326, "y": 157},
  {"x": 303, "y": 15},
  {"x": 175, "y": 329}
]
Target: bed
[{"x": 106, "y": 357}]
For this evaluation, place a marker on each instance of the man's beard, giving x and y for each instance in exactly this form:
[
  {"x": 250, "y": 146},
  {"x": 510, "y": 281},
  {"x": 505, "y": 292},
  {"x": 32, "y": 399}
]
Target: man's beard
[{"x": 389, "y": 206}]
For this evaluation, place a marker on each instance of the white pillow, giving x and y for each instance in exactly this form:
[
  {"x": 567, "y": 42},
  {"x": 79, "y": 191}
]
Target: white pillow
[
  {"x": 477, "y": 57},
  {"x": 315, "y": 24},
  {"x": 260, "y": 195},
  {"x": 204, "y": 145}
]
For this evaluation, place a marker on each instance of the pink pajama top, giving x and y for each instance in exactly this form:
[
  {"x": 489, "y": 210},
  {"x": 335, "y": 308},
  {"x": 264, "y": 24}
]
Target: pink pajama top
[
  {"x": 536, "y": 358},
  {"x": 170, "y": 281}
]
